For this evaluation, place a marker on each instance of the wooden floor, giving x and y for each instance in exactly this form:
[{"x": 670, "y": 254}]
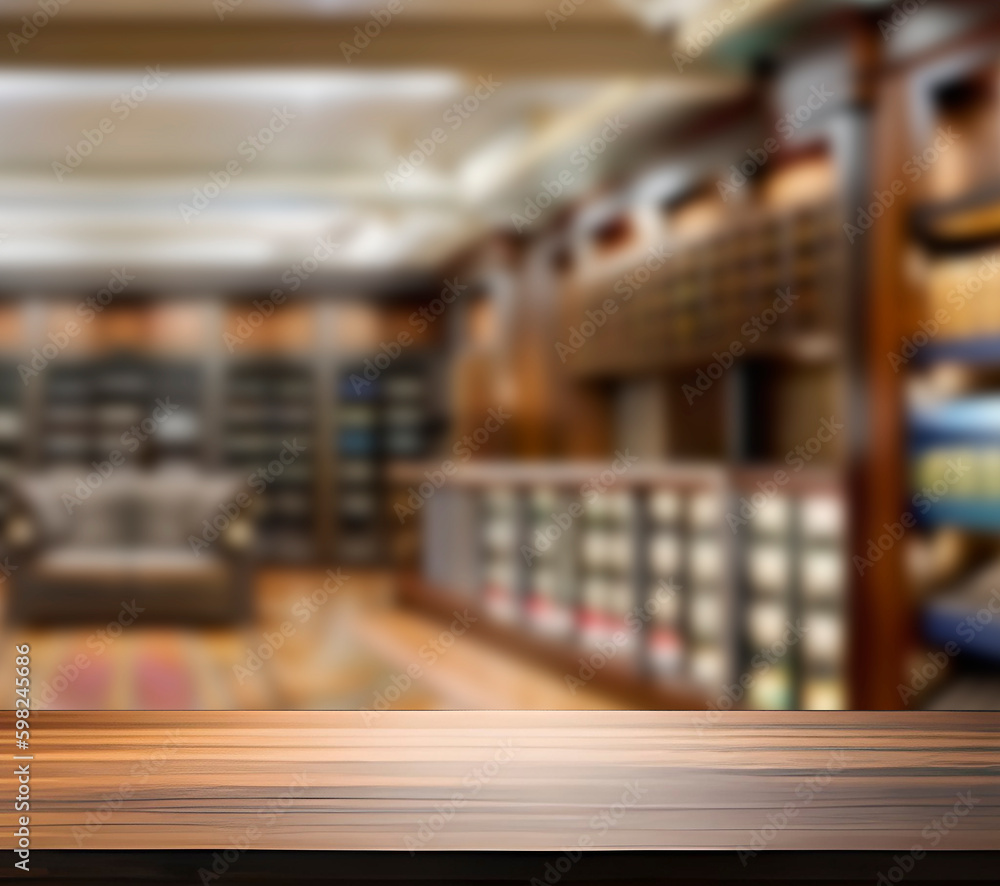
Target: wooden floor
[
  {"x": 347, "y": 651},
  {"x": 502, "y": 780}
]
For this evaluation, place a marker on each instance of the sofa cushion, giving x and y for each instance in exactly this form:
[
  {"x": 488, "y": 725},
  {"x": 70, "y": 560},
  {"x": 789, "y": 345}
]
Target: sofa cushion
[
  {"x": 117, "y": 564},
  {"x": 129, "y": 508}
]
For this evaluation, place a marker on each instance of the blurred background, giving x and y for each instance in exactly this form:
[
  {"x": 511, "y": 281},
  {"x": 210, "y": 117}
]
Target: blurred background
[{"x": 571, "y": 354}]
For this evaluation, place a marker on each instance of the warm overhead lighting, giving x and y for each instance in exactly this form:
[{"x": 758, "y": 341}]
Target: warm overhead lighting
[
  {"x": 251, "y": 85},
  {"x": 201, "y": 8},
  {"x": 661, "y": 13},
  {"x": 74, "y": 252}
]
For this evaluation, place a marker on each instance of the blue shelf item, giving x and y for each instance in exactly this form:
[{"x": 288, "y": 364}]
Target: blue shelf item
[
  {"x": 969, "y": 618},
  {"x": 982, "y": 350},
  {"x": 970, "y": 420},
  {"x": 965, "y": 513}
]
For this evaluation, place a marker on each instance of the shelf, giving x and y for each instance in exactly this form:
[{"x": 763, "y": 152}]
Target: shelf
[
  {"x": 953, "y": 619},
  {"x": 981, "y": 516},
  {"x": 387, "y": 418},
  {"x": 979, "y": 351},
  {"x": 969, "y": 420},
  {"x": 702, "y": 475},
  {"x": 665, "y": 526},
  {"x": 971, "y": 217},
  {"x": 267, "y": 400},
  {"x": 700, "y": 300}
]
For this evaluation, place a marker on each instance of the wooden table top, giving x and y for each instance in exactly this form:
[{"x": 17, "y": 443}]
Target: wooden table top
[{"x": 500, "y": 781}]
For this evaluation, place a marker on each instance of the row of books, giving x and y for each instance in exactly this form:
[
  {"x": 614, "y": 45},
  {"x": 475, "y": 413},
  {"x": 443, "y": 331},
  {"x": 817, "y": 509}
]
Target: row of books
[
  {"x": 948, "y": 360},
  {"x": 767, "y": 283},
  {"x": 240, "y": 423},
  {"x": 796, "y": 615},
  {"x": 382, "y": 416},
  {"x": 94, "y": 407},
  {"x": 269, "y": 401},
  {"x": 11, "y": 431},
  {"x": 655, "y": 571}
]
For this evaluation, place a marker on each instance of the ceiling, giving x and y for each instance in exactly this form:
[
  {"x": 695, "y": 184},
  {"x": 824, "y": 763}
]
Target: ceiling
[
  {"x": 329, "y": 171},
  {"x": 597, "y": 10}
]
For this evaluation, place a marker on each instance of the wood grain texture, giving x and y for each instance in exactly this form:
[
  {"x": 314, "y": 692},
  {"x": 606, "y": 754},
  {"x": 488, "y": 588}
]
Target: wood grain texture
[{"x": 501, "y": 780}]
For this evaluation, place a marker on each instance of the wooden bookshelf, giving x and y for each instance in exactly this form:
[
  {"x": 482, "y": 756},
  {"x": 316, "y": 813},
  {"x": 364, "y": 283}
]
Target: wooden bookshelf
[{"x": 689, "y": 572}]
